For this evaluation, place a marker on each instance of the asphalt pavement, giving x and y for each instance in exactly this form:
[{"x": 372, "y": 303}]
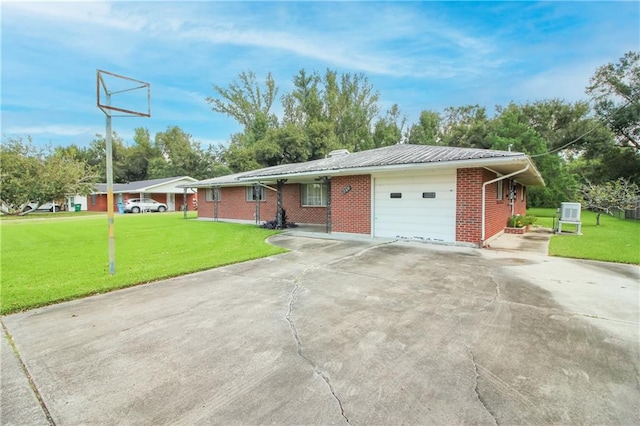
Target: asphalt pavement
[{"x": 340, "y": 332}]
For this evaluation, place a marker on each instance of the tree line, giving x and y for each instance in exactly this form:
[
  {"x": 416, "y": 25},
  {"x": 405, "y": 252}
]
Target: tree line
[{"x": 572, "y": 144}]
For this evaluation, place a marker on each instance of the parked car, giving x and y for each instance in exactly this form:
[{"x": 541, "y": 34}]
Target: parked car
[
  {"x": 137, "y": 205},
  {"x": 44, "y": 206}
]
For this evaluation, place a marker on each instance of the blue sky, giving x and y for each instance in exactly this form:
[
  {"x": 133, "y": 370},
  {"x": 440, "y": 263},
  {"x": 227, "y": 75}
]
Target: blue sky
[{"x": 419, "y": 55}]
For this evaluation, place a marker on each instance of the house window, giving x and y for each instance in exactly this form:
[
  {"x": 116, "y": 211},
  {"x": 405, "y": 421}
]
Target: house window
[
  {"x": 522, "y": 193},
  {"x": 500, "y": 187},
  {"x": 262, "y": 193},
  {"x": 94, "y": 199},
  {"x": 313, "y": 195},
  {"x": 212, "y": 194}
]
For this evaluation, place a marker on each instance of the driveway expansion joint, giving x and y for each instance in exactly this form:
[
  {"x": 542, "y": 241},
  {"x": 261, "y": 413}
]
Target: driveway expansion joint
[{"x": 296, "y": 336}]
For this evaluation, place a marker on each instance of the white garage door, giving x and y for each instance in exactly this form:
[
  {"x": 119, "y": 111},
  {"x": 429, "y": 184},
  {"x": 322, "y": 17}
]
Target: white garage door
[{"x": 416, "y": 206}]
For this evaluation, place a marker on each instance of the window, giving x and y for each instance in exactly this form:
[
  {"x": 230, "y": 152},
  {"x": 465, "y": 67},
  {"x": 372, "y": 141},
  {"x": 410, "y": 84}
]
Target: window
[
  {"x": 94, "y": 199},
  {"x": 522, "y": 193},
  {"x": 212, "y": 194},
  {"x": 313, "y": 194},
  {"x": 262, "y": 193},
  {"x": 396, "y": 195},
  {"x": 500, "y": 186}
]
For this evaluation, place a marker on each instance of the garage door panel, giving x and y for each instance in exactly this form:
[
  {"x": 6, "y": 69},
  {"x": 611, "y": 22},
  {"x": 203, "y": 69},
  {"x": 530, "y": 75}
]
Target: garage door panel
[{"x": 412, "y": 216}]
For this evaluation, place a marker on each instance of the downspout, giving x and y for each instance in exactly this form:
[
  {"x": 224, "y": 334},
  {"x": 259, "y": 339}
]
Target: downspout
[{"x": 484, "y": 190}]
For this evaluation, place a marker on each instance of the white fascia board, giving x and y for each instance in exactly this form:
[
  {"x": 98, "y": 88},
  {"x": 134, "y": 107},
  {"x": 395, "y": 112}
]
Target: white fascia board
[
  {"x": 172, "y": 181},
  {"x": 211, "y": 185}
]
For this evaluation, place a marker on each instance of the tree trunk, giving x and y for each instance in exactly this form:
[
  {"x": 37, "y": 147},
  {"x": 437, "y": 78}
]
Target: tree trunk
[{"x": 598, "y": 219}]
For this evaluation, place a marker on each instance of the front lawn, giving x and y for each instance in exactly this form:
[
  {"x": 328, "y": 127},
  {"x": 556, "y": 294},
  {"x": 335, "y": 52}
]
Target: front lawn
[
  {"x": 47, "y": 261},
  {"x": 50, "y": 215},
  {"x": 615, "y": 240}
]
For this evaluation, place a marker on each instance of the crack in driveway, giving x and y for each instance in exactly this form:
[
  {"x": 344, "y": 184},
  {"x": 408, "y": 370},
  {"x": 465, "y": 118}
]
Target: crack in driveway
[
  {"x": 475, "y": 386},
  {"x": 476, "y": 375},
  {"x": 296, "y": 336}
]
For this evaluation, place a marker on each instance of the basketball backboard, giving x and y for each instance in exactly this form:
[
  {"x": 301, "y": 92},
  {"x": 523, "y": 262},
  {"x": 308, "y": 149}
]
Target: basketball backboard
[{"x": 120, "y": 96}]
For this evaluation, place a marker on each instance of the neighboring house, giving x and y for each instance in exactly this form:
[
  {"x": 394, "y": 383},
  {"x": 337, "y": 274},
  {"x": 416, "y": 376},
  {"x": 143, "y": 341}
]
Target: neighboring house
[
  {"x": 163, "y": 190},
  {"x": 418, "y": 192}
]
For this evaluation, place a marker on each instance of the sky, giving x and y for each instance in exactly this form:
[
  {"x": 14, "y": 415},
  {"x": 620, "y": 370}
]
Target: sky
[{"x": 418, "y": 55}]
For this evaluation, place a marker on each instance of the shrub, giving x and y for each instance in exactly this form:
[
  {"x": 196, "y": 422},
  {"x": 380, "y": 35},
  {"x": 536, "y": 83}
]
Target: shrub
[{"x": 518, "y": 221}]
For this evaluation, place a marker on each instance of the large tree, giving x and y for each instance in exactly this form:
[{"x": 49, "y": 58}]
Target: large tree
[
  {"x": 389, "y": 130},
  {"x": 465, "y": 126},
  {"x": 139, "y": 155},
  {"x": 342, "y": 107},
  {"x": 321, "y": 113},
  {"x": 97, "y": 157},
  {"x": 246, "y": 100},
  {"x": 428, "y": 129},
  {"x": 609, "y": 197},
  {"x": 179, "y": 155},
  {"x": 615, "y": 91},
  {"x": 31, "y": 174},
  {"x": 512, "y": 130}
]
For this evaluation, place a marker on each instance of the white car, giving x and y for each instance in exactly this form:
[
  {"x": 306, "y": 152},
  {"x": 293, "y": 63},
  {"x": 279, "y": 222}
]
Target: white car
[
  {"x": 42, "y": 207},
  {"x": 137, "y": 205}
]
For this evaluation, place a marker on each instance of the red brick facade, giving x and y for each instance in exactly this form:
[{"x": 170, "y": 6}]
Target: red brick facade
[
  {"x": 351, "y": 204},
  {"x": 469, "y": 205},
  {"x": 233, "y": 204},
  {"x": 98, "y": 202}
]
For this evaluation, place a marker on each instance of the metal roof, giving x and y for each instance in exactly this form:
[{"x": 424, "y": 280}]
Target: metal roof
[
  {"x": 382, "y": 157},
  {"x": 394, "y": 157},
  {"x": 141, "y": 185},
  {"x": 227, "y": 180}
]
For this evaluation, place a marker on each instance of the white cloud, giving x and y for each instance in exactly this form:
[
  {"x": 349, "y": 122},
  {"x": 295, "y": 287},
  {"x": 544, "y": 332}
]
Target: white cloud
[
  {"x": 565, "y": 82},
  {"x": 53, "y": 129},
  {"x": 77, "y": 12}
]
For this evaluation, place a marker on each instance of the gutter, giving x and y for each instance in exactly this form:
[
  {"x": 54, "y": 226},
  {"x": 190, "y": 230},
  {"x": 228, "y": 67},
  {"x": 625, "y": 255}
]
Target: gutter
[{"x": 484, "y": 190}]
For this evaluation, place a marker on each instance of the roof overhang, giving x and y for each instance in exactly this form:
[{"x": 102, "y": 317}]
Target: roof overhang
[
  {"x": 502, "y": 166},
  {"x": 499, "y": 165}
]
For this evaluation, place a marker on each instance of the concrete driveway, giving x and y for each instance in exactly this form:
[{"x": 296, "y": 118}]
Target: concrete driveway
[{"x": 340, "y": 332}]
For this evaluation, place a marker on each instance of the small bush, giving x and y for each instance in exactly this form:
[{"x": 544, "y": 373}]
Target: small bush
[{"x": 518, "y": 221}]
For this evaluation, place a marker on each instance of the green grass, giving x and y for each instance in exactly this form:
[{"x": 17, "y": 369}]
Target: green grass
[
  {"x": 48, "y": 261},
  {"x": 49, "y": 215},
  {"x": 615, "y": 240}
]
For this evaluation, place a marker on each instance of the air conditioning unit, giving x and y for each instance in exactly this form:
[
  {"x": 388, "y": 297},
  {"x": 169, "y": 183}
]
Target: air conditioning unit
[{"x": 570, "y": 212}]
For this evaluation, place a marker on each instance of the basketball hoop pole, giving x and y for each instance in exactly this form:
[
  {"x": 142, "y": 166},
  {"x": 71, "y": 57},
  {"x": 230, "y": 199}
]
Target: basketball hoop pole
[
  {"x": 108, "y": 109},
  {"x": 110, "y": 212}
]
